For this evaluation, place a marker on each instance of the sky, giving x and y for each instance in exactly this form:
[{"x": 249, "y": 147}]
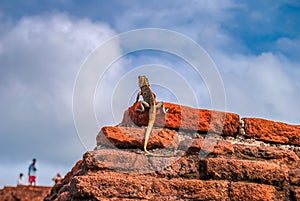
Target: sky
[{"x": 255, "y": 46}]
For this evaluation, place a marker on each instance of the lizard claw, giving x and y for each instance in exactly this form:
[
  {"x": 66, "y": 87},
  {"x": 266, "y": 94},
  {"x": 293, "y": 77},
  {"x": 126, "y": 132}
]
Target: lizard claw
[
  {"x": 139, "y": 110},
  {"x": 167, "y": 109}
]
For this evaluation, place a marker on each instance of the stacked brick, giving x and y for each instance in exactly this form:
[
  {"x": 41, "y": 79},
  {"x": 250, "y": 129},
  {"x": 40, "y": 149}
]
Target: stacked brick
[{"x": 216, "y": 156}]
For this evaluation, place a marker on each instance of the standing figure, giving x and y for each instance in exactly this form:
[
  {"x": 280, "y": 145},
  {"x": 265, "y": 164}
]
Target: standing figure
[{"x": 32, "y": 173}]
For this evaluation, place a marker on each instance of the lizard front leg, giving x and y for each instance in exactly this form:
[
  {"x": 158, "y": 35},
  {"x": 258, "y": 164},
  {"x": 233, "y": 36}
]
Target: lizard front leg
[
  {"x": 161, "y": 106},
  {"x": 144, "y": 105}
]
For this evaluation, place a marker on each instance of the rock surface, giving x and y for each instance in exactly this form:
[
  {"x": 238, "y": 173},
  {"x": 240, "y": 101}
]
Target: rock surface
[
  {"x": 133, "y": 138},
  {"x": 24, "y": 193},
  {"x": 207, "y": 155},
  {"x": 271, "y": 131},
  {"x": 186, "y": 118}
]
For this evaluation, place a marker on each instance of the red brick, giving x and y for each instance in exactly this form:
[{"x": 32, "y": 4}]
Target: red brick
[
  {"x": 187, "y": 118},
  {"x": 125, "y": 137},
  {"x": 125, "y": 186},
  {"x": 243, "y": 170},
  {"x": 271, "y": 131},
  {"x": 222, "y": 148},
  {"x": 240, "y": 191}
]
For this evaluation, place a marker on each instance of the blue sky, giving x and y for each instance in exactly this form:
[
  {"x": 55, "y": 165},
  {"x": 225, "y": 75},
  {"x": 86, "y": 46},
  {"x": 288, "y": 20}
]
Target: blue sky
[{"x": 254, "y": 44}]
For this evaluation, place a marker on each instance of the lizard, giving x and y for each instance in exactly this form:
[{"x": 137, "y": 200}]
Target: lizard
[{"x": 149, "y": 101}]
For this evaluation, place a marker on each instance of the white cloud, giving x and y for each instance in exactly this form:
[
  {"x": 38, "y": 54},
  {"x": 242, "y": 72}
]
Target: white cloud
[
  {"x": 188, "y": 18},
  {"x": 289, "y": 46},
  {"x": 40, "y": 57},
  {"x": 261, "y": 86}
]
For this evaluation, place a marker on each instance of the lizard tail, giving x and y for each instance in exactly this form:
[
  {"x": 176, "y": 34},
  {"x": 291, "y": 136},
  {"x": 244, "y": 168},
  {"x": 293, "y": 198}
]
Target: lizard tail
[
  {"x": 148, "y": 152},
  {"x": 147, "y": 135},
  {"x": 148, "y": 132}
]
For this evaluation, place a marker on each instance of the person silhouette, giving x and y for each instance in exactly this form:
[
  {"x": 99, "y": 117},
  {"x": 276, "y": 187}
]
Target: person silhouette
[
  {"x": 21, "y": 179},
  {"x": 57, "y": 178},
  {"x": 32, "y": 173}
]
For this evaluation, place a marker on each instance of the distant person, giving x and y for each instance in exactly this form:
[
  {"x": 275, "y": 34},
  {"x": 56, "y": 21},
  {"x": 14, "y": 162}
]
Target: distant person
[
  {"x": 57, "y": 178},
  {"x": 32, "y": 173},
  {"x": 21, "y": 180}
]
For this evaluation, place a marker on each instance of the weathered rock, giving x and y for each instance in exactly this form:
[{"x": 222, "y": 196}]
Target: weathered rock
[
  {"x": 295, "y": 177},
  {"x": 246, "y": 191},
  {"x": 24, "y": 193},
  {"x": 186, "y": 118},
  {"x": 107, "y": 184},
  {"x": 119, "y": 185},
  {"x": 223, "y": 148},
  {"x": 183, "y": 167},
  {"x": 272, "y": 154},
  {"x": 130, "y": 162},
  {"x": 120, "y": 160},
  {"x": 210, "y": 161},
  {"x": 243, "y": 170},
  {"x": 271, "y": 131},
  {"x": 132, "y": 138},
  {"x": 119, "y": 174},
  {"x": 62, "y": 187},
  {"x": 295, "y": 194}
]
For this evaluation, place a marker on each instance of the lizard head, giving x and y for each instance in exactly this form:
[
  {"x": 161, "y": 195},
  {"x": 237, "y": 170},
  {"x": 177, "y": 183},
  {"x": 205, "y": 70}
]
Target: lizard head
[{"x": 143, "y": 81}]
